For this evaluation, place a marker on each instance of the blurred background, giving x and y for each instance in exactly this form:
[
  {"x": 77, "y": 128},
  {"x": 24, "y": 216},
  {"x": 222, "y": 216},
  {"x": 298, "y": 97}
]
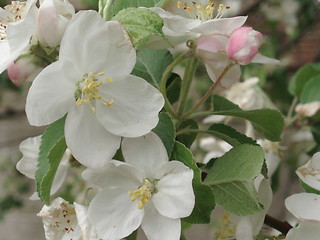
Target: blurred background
[{"x": 291, "y": 30}]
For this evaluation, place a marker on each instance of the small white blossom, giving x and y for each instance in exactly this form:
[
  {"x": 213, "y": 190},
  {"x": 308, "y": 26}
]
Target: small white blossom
[
  {"x": 91, "y": 83},
  {"x": 147, "y": 190}
]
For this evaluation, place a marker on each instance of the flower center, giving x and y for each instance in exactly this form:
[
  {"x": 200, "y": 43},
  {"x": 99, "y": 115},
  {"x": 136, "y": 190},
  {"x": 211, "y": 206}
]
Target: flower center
[
  {"x": 204, "y": 12},
  {"x": 16, "y": 11},
  {"x": 88, "y": 90},
  {"x": 226, "y": 228},
  {"x": 62, "y": 218},
  {"x": 144, "y": 193}
]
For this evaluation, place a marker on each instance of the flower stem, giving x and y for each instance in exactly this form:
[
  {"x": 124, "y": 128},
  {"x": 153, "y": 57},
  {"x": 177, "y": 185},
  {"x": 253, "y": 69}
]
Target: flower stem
[
  {"x": 164, "y": 79},
  {"x": 282, "y": 227},
  {"x": 186, "y": 83},
  {"x": 209, "y": 92},
  {"x": 289, "y": 117}
]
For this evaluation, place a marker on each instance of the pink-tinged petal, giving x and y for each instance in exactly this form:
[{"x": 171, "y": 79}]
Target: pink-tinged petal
[
  {"x": 265, "y": 60},
  {"x": 243, "y": 45},
  {"x": 23, "y": 69},
  {"x": 135, "y": 107},
  {"x": 97, "y": 46},
  {"x": 222, "y": 25},
  {"x": 304, "y": 206},
  {"x": 146, "y": 153},
  {"x": 308, "y": 109},
  {"x": 158, "y": 227},
  {"x": 232, "y": 76},
  {"x": 211, "y": 43},
  {"x": 113, "y": 214},
  {"x": 305, "y": 231},
  {"x": 52, "y": 20},
  {"x": 87, "y": 140},
  {"x": 115, "y": 174},
  {"x": 51, "y": 94},
  {"x": 175, "y": 197}
]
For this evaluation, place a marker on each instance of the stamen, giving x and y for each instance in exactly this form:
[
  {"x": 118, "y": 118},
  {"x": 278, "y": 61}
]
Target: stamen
[
  {"x": 88, "y": 89},
  {"x": 144, "y": 193},
  {"x": 227, "y": 229},
  {"x": 204, "y": 12}
]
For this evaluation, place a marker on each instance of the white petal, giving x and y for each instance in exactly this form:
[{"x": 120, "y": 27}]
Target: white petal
[
  {"x": 231, "y": 77},
  {"x": 87, "y": 229},
  {"x": 113, "y": 214},
  {"x": 51, "y": 94},
  {"x": 135, "y": 107},
  {"x": 158, "y": 227},
  {"x": 304, "y": 206},
  {"x": 263, "y": 59},
  {"x": 97, "y": 46},
  {"x": 305, "y": 231},
  {"x": 146, "y": 153},
  {"x": 222, "y": 25},
  {"x": 115, "y": 174},
  {"x": 175, "y": 197},
  {"x": 244, "y": 229},
  {"x": 87, "y": 140},
  {"x": 30, "y": 150},
  {"x": 310, "y": 172}
]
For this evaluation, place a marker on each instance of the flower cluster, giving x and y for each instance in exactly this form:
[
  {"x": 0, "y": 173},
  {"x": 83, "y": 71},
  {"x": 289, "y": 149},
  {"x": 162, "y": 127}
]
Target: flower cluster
[{"x": 109, "y": 109}]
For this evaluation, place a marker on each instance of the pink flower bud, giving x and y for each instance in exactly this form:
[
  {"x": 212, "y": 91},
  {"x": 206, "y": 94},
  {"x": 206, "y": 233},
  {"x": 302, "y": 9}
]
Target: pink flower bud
[
  {"x": 243, "y": 45},
  {"x": 52, "y": 20},
  {"x": 22, "y": 70}
]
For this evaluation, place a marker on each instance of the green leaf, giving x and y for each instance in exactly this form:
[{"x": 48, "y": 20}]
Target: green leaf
[
  {"x": 229, "y": 134},
  {"x": 267, "y": 122},
  {"x": 231, "y": 179},
  {"x": 52, "y": 148},
  {"x": 308, "y": 189},
  {"x": 166, "y": 131},
  {"x": 311, "y": 90},
  {"x": 188, "y": 139},
  {"x": 151, "y": 64},
  {"x": 203, "y": 194},
  {"x": 140, "y": 24},
  {"x": 302, "y": 76},
  {"x": 117, "y": 5},
  {"x": 173, "y": 88}
]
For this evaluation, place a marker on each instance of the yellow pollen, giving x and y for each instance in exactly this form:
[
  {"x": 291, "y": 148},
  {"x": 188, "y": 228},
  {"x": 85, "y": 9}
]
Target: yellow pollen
[
  {"x": 204, "y": 12},
  {"x": 142, "y": 194},
  {"x": 88, "y": 89},
  {"x": 109, "y": 80},
  {"x": 227, "y": 229}
]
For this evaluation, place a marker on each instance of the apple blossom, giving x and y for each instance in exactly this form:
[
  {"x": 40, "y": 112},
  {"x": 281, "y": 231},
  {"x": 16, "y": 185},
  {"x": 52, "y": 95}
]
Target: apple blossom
[
  {"x": 64, "y": 221},
  {"x": 17, "y": 26},
  {"x": 243, "y": 45},
  {"x": 95, "y": 88},
  {"x": 147, "y": 190},
  {"x": 29, "y": 162},
  {"x": 214, "y": 147}
]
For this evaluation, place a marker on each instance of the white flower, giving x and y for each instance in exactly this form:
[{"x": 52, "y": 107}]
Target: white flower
[
  {"x": 64, "y": 221},
  {"x": 308, "y": 109},
  {"x": 310, "y": 172},
  {"x": 148, "y": 190},
  {"x": 305, "y": 207},
  {"x": 29, "y": 162},
  {"x": 17, "y": 26},
  {"x": 91, "y": 82}
]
